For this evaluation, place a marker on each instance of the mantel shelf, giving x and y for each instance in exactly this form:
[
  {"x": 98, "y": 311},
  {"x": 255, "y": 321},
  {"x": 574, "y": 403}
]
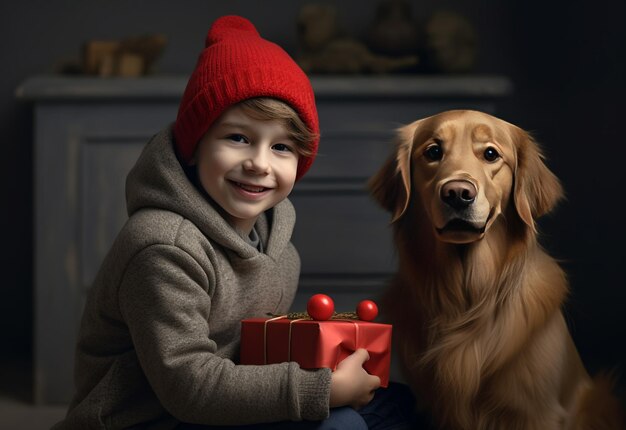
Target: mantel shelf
[{"x": 83, "y": 88}]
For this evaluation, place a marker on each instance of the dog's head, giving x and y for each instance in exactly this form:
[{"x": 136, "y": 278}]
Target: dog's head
[{"x": 465, "y": 168}]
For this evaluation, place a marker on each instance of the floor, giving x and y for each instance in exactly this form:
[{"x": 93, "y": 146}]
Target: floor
[{"x": 17, "y": 411}]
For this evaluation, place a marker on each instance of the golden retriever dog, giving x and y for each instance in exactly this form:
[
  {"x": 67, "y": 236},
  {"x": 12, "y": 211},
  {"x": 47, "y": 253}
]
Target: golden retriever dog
[{"x": 476, "y": 302}]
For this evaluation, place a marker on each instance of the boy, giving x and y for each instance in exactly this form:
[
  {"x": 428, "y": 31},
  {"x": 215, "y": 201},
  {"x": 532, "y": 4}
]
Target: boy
[{"x": 207, "y": 244}]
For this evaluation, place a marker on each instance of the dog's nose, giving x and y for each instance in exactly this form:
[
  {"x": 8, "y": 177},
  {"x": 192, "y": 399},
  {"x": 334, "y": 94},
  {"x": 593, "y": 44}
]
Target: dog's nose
[{"x": 458, "y": 194}]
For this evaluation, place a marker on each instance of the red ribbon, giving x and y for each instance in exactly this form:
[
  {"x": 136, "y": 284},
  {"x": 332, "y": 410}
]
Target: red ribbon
[{"x": 354, "y": 324}]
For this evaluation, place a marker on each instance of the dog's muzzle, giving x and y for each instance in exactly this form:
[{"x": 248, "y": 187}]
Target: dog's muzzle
[
  {"x": 458, "y": 194},
  {"x": 464, "y": 219}
]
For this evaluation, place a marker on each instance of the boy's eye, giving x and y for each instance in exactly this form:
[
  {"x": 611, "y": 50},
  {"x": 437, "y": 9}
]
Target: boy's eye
[
  {"x": 239, "y": 138},
  {"x": 281, "y": 147}
]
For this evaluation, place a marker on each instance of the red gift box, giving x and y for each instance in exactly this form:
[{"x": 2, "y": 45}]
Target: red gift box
[{"x": 316, "y": 344}]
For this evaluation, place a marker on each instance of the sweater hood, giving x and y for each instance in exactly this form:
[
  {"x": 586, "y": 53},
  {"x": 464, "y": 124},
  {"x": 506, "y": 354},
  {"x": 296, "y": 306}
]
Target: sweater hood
[{"x": 158, "y": 181}]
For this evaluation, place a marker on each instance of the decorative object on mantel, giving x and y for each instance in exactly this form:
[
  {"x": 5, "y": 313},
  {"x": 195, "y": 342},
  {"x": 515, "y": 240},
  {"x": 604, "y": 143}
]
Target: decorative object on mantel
[
  {"x": 451, "y": 43},
  {"x": 393, "y": 31},
  {"x": 129, "y": 57},
  {"x": 326, "y": 49}
]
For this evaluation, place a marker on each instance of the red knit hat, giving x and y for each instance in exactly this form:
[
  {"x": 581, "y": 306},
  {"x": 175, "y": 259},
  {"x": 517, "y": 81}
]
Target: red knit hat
[{"x": 238, "y": 64}]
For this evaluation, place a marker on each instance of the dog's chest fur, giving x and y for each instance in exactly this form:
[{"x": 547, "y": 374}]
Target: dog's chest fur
[{"x": 470, "y": 321}]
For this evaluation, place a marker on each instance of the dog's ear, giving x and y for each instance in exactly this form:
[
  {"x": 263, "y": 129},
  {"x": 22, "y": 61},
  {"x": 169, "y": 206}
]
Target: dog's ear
[
  {"x": 537, "y": 190},
  {"x": 391, "y": 185}
]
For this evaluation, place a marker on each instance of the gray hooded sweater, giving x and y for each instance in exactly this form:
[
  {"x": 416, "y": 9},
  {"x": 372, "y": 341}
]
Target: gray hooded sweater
[{"x": 159, "y": 337}]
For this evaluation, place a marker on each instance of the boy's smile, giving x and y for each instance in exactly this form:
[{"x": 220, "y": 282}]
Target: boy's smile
[
  {"x": 250, "y": 191},
  {"x": 246, "y": 165}
]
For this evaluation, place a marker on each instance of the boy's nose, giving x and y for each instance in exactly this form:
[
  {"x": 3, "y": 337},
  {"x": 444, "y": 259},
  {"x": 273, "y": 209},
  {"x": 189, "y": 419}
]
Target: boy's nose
[{"x": 258, "y": 162}]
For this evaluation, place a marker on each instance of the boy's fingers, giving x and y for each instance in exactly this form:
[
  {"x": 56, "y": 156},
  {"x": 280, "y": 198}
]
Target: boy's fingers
[
  {"x": 362, "y": 355},
  {"x": 375, "y": 382},
  {"x": 367, "y": 397}
]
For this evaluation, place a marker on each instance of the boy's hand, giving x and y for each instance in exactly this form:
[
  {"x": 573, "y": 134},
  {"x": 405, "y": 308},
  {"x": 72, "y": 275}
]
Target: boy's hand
[{"x": 351, "y": 385}]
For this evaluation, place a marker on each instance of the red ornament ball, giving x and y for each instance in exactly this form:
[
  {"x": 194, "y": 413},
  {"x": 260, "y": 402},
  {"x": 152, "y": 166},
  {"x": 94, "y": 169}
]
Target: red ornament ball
[
  {"x": 367, "y": 310},
  {"x": 320, "y": 307}
]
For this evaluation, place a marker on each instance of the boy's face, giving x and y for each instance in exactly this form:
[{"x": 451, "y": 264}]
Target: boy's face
[{"x": 246, "y": 165}]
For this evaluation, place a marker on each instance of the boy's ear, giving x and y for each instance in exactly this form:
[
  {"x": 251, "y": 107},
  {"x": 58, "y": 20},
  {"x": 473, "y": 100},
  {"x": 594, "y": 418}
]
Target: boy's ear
[
  {"x": 391, "y": 185},
  {"x": 537, "y": 190}
]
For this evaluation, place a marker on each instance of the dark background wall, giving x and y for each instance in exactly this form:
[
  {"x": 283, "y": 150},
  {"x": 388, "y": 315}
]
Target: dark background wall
[
  {"x": 569, "y": 67},
  {"x": 566, "y": 60}
]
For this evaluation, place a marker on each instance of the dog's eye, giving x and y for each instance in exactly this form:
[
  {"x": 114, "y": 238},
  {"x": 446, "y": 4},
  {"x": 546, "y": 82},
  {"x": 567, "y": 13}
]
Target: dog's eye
[
  {"x": 491, "y": 154},
  {"x": 434, "y": 152}
]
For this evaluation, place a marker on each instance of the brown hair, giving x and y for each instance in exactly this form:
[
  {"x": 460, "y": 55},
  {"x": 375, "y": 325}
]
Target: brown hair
[{"x": 266, "y": 108}]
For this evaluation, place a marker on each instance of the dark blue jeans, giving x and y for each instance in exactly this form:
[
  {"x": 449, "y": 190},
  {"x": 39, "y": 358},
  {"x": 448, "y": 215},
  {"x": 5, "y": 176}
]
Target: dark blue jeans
[{"x": 392, "y": 408}]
